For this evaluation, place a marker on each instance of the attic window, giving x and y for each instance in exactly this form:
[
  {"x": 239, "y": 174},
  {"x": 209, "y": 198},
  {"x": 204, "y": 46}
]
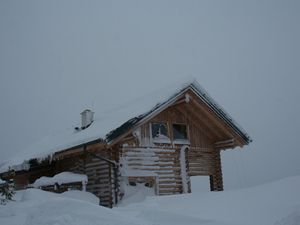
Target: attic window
[
  {"x": 179, "y": 132},
  {"x": 160, "y": 131}
]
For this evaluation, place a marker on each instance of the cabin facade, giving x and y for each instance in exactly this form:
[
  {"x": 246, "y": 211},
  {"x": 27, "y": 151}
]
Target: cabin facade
[{"x": 160, "y": 149}]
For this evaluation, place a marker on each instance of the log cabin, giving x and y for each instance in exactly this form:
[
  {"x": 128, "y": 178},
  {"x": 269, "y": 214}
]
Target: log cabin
[{"x": 160, "y": 148}]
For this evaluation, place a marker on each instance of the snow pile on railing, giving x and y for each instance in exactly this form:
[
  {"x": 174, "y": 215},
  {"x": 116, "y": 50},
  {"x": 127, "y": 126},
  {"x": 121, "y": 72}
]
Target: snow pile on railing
[
  {"x": 2, "y": 181},
  {"x": 61, "y": 178}
]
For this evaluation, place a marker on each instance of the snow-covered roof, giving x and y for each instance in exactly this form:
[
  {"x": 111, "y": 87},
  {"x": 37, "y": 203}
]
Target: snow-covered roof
[{"x": 109, "y": 125}]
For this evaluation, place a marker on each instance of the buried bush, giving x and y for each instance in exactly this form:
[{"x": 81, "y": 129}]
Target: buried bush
[{"x": 6, "y": 192}]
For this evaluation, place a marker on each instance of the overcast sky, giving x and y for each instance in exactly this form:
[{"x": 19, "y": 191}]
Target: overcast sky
[{"x": 59, "y": 57}]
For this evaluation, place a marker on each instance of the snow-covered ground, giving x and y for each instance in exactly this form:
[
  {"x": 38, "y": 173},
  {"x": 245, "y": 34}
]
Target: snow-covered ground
[{"x": 276, "y": 203}]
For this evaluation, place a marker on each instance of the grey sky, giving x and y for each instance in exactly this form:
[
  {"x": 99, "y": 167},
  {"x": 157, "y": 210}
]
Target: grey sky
[{"x": 58, "y": 57}]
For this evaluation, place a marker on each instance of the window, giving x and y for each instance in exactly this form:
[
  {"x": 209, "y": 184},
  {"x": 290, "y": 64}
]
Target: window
[
  {"x": 159, "y": 131},
  {"x": 179, "y": 131}
]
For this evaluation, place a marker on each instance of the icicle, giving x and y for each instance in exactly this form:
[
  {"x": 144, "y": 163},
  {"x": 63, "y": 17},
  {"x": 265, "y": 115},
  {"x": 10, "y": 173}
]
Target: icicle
[{"x": 184, "y": 175}]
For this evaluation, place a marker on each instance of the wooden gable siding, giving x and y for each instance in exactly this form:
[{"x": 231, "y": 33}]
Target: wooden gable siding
[
  {"x": 213, "y": 121},
  {"x": 197, "y": 136}
]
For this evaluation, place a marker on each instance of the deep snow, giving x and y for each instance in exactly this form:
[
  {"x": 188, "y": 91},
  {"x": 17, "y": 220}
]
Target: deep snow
[{"x": 276, "y": 203}]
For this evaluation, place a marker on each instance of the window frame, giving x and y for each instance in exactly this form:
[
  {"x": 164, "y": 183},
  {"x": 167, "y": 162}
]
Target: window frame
[
  {"x": 181, "y": 140},
  {"x": 161, "y": 140}
]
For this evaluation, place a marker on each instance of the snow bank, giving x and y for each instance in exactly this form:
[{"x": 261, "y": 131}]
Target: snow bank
[
  {"x": 61, "y": 178},
  {"x": 37, "y": 207},
  {"x": 276, "y": 203},
  {"x": 134, "y": 194},
  {"x": 292, "y": 218},
  {"x": 81, "y": 195}
]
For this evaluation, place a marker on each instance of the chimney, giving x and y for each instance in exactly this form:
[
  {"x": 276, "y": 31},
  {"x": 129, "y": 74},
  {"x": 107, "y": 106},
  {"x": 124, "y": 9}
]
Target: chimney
[{"x": 87, "y": 117}]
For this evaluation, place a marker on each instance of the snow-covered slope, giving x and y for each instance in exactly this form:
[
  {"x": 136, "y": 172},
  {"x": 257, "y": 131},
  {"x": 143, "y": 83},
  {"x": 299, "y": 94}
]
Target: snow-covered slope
[
  {"x": 276, "y": 203},
  {"x": 266, "y": 204},
  {"x": 36, "y": 207}
]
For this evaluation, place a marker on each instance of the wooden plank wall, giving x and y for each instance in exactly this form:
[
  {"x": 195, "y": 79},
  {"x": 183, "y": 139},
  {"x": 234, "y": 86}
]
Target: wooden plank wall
[{"x": 179, "y": 115}]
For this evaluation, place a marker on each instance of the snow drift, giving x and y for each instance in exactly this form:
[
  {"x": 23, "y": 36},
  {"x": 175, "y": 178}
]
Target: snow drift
[{"x": 276, "y": 203}]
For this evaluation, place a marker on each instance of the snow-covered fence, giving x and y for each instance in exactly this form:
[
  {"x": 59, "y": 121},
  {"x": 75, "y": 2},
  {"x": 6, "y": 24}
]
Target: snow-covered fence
[{"x": 62, "y": 182}]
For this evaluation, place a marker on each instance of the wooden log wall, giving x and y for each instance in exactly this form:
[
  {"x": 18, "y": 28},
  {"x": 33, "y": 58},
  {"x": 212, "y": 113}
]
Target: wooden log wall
[
  {"x": 202, "y": 158},
  {"x": 163, "y": 164},
  {"x": 205, "y": 162},
  {"x": 99, "y": 174},
  {"x": 201, "y": 162},
  {"x": 23, "y": 178},
  {"x": 216, "y": 179}
]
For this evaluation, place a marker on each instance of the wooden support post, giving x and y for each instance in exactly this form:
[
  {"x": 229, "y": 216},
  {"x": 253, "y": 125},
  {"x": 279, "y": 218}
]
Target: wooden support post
[
  {"x": 188, "y": 170},
  {"x": 216, "y": 180}
]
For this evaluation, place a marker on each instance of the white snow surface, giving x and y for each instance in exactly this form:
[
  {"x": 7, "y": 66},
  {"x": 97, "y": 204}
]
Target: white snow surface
[
  {"x": 276, "y": 203},
  {"x": 134, "y": 194},
  {"x": 104, "y": 122},
  {"x": 2, "y": 181},
  {"x": 81, "y": 195},
  {"x": 37, "y": 207},
  {"x": 61, "y": 178}
]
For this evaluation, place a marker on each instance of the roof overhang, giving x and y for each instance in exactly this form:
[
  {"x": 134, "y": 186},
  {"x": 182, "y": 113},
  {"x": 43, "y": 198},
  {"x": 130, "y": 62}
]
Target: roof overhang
[{"x": 202, "y": 95}]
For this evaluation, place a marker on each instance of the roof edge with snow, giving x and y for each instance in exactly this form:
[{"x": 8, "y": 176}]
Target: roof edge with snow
[
  {"x": 201, "y": 93},
  {"x": 42, "y": 151}
]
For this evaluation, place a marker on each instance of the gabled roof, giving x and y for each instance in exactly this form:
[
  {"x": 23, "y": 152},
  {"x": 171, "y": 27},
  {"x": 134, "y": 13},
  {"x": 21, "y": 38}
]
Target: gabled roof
[
  {"x": 201, "y": 93},
  {"x": 109, "y": 126}
]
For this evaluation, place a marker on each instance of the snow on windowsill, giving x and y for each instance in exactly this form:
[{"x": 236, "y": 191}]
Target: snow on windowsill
[
  {"x": 182, "y": 141},
  {"x": 164, "y": 140}
]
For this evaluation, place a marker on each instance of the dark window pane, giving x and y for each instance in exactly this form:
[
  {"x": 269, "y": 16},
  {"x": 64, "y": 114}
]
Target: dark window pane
[
  {"x": 179, "y": 131},
  {"x": 159, "y": 130}
]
